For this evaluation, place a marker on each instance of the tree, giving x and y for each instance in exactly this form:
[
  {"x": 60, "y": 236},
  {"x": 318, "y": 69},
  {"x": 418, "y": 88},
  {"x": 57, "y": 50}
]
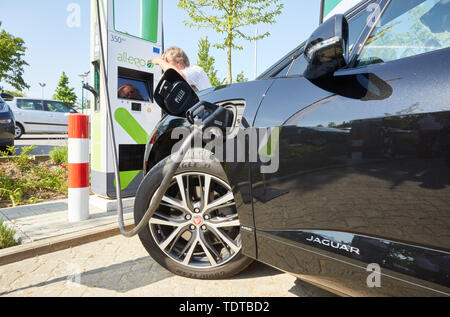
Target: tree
[
  {"x": 229, "y": 17},
  {"x": 14, "y": 93},
  {"x": 240, "y": 78},
  {"x": 12, "y": 50},
  {"x": 64, "y": 93},
  {"x": 207, "y": 62}
]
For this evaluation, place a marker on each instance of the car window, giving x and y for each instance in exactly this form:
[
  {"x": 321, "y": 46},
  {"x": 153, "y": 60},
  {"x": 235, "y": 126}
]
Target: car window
[
  {"x": 283, "y": 71},
  {"x": 55, "y": 106},
  {"x": 408, "y": 28},
  {"x": 30, "y": 104},
  {"x": 281, "y": 64},
  {"x": 298, "y": 66},
  {"x": 356, "y": 25}
]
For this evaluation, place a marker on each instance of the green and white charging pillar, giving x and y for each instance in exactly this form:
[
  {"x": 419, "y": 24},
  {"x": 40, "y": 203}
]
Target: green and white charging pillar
[
  {"x": 132, "y": 34},
  {"x": 332, "y": 7}
]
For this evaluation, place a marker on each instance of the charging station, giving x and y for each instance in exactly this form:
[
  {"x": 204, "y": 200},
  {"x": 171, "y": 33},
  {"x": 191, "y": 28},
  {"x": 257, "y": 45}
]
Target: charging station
[
  {"x": 133, "y": 35},
  {"x": 125, "y": 108},
  {"x": 332, "y": 7}
]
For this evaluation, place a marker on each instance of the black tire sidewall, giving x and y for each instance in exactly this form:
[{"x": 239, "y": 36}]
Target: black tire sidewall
[
  {"x": 146, "y": 191},
  {"x": 21, "y": 131}
]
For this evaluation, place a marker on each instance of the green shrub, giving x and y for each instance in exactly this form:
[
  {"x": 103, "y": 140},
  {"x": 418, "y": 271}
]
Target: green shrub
[
  {"x": 59, "y": 155},
  {"x": 6, "y": 236},
  {"x": 34, "y": 177},
  {"x": 54, "y": 179},
  {"x": 10, "y": 189},
  {"x": 24, "y": 161}
]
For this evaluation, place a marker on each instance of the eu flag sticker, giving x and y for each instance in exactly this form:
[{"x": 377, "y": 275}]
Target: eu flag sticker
[{"x": 156, "y": 50}]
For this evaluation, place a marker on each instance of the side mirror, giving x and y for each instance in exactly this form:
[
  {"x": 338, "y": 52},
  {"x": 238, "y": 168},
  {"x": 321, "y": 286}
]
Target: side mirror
[
  {"x": 326, "y": 49},
  {"x": 7, "y": 97}
]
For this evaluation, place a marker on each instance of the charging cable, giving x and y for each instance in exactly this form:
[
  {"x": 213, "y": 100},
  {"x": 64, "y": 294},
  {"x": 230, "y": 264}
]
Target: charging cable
[{"x": 208, "y": 115}]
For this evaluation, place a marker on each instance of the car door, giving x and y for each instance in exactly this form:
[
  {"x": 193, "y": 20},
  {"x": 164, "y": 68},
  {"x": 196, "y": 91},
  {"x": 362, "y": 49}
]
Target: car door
[
  {"x": 364, "y": 173},
  {"x": 32, "y": 115},
  {"x": 58, "y": 112}
]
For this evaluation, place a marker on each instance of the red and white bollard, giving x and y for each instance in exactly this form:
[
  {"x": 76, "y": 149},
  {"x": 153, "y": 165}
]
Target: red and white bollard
[
  {"x": 78, "y": 167},
  {"x": 357, "y": 146}
]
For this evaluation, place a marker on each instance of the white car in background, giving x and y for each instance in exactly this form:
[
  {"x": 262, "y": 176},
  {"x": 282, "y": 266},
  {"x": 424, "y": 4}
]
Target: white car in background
[{"x": 36, "y": 116}]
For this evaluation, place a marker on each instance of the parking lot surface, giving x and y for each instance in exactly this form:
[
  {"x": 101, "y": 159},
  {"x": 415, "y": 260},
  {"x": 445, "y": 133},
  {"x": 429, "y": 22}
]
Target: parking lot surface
[
  {"x": 121, "y": 267},
  {"x": 44, "y": 142}
]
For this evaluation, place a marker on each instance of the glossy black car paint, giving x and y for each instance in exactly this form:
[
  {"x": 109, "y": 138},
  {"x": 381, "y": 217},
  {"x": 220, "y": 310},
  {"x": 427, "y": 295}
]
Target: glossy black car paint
[
  {"x": 365, "y": 168},
  {"x": 6, "y": 129}
]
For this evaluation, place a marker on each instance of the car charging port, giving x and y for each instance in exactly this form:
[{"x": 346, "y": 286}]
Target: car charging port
[{"x": 222, "y": 119}]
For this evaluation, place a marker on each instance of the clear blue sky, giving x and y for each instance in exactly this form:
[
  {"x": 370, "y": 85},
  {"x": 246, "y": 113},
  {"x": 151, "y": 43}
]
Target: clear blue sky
[{"x": 53, "y": 47}]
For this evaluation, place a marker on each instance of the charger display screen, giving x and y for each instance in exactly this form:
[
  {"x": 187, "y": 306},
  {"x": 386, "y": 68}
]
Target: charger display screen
[{"x": 132, "y": 89}]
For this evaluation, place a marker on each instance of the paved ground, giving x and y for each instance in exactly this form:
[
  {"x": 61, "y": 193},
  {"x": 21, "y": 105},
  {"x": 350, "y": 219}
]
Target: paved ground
[
  {"x": 44, "y": 142},
  {"x": 121, "y": 267}
]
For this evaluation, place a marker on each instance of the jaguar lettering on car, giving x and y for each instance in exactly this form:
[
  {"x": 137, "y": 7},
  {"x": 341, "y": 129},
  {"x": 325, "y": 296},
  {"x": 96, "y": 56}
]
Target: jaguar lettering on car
[{"x": 333, "y": 244}]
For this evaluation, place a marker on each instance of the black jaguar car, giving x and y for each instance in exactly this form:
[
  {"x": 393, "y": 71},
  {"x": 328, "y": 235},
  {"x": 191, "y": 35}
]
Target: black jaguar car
[
  {"x": 359, "y": 202},
  {"x": 7, "y": 124}
]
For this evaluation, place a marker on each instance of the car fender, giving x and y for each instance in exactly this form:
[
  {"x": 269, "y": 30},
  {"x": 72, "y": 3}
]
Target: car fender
[{"x": 251, "y": 93}]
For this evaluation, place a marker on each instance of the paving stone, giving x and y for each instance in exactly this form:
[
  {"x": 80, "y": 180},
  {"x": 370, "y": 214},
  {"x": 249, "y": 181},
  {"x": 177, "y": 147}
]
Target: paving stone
[{"x": 121, "y": 267}]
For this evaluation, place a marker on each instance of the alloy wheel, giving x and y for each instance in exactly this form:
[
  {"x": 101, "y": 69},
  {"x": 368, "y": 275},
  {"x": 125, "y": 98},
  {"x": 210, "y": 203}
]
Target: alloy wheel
[{"x": 197, "y": 223}]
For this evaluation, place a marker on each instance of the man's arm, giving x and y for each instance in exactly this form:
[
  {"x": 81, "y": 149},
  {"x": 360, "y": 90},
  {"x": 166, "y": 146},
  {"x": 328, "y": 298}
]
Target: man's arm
[{"x": 165, "y": 66}]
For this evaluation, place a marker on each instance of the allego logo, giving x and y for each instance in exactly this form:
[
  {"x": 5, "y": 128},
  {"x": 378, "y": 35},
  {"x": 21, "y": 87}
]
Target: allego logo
[{"x": 136, "y": 61}]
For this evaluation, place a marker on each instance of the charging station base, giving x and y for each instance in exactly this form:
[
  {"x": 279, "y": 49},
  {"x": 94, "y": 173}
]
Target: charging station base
[{"x": 110, "y": 205}]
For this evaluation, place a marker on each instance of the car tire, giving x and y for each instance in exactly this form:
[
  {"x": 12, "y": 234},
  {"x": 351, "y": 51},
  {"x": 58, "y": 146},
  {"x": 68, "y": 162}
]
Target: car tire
[
  {"x": 19, "y": 131},
  {"x": 149, "y": 237}
]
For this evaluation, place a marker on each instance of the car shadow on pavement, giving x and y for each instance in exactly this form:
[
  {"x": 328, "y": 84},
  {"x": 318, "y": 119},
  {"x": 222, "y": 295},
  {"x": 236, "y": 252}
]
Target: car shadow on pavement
[
  {"x": 304, "y": 289},
  {"x": 255, "y": 270},
  {"x": 127, "y": 276},
  {"x": 122, "y": 277},
  {"x": 300, "y": 288}
]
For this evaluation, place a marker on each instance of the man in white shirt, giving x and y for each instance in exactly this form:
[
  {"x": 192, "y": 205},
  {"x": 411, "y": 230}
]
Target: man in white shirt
[{"x": 177, "y": 59}]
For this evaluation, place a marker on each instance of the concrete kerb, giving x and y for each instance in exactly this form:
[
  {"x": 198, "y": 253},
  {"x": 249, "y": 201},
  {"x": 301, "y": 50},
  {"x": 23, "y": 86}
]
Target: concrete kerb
[
  {"x": 37, "y": 158},
  {"x": 45, "y": 246}
]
